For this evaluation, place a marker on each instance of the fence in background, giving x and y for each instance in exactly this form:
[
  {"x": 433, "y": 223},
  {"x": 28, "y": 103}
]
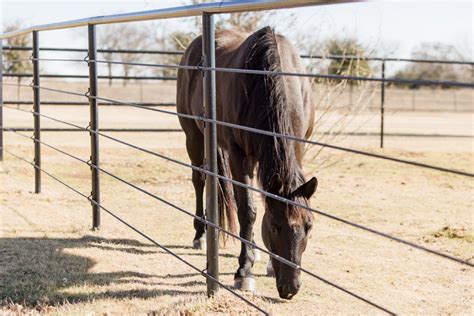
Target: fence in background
[
  {"x": 209, "y": 69},
  {"x": 409, "y": 97}
]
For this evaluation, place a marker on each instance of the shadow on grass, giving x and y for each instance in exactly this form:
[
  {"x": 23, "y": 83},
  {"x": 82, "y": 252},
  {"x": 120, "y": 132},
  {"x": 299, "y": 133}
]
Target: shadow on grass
[{"x": 38, "y": 270}]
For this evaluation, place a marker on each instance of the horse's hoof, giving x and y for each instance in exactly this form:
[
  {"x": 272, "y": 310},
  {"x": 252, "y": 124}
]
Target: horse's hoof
[
  {"x": 199, "y": 243},
  {"x": 270, "y": 271},
  {"x": 245, "y": 284},
  {"x": 257, "y": 255}
]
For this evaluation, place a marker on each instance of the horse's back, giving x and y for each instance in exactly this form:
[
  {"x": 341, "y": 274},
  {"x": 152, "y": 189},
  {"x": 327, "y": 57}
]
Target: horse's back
[
  {"x": 190, "y": 86},
  {"x": 233, "y": 50}
]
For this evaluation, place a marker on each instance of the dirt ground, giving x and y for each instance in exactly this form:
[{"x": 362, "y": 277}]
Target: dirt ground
[
  {"x": 369, "y": 94},
  {"x": 51, "y": 262}
]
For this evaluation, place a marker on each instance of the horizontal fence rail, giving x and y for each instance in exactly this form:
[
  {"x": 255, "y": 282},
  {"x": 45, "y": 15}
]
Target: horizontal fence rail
[
  {"x": 74, "y": 103},
  {"x": 305, "y": 56},
  {"x": 84, "y": 50},
  {"x": 27, "y": 75},
  {"x": 113, "y": 214},
  {"x": 212, "y": 176},
  {"x": 419, "y": 82},
  {"x": 282, "y": 199},
  {"x": 176, "y": 12},
  {"x": 201, "y": 219},
  {"x": 269, "y": 133},
  {"x": 168, "y": 130}
]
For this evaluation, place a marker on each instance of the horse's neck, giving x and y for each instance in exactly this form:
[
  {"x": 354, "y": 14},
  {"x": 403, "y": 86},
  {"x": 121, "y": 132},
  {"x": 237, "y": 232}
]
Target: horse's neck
[{"x": 281, "y": 180}]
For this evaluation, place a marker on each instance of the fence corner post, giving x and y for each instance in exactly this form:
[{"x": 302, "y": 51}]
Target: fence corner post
[
  {"x": 210, "y": 144},
  {"x": 382, "y": 105},
  {"x": 94, "y": 126},
  {"x": 37, "y": 112}
]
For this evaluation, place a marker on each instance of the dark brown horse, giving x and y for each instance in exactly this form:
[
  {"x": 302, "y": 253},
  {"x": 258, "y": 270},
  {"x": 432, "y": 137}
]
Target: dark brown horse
[{"x": 281, "y": 104}]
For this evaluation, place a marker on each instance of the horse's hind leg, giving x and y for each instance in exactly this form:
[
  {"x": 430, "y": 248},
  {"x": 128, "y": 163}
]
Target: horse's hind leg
[
  {"x": 199, "y": 241},
  {"x": 243, "y": 278},
  {"x": 256, "y": 253},
  {"x": 195, "y": 148},
  {"x": 270, "y": 270}
]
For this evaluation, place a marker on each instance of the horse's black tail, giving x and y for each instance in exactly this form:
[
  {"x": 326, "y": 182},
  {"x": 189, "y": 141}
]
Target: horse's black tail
[{"x": 227, "y": 204}]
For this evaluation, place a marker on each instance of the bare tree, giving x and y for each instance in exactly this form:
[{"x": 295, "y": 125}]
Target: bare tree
[
  {"x": 124, "y": 36},
  {"x": 16, "y": 61},
  {"x": 338, "y": 102},
  {"x": 109, "y": 41},
  {"x": 435, "y": 71},
  {"x": 334, "y": 119},
  {"x": 243, "y": 21},
  {"x": 179, "y": 40}
]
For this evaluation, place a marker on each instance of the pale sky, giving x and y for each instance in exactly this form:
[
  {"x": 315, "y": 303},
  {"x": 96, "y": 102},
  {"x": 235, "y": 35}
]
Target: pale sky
[{"x": 389, "y": 27}]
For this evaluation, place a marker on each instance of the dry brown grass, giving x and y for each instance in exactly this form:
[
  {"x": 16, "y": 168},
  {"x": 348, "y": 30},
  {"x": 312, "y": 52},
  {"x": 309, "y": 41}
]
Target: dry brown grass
[
  {"x": 424, "y": 99},
  {"x": 50, "y": 261}
]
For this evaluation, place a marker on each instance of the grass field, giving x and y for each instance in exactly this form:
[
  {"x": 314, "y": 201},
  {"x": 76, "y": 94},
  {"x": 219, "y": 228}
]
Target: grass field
[
  {"x": 368, "y": 95},
  {"x": 51, "y": 262}
]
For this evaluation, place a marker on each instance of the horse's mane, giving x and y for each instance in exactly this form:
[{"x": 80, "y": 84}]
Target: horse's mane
[{"x": 268, "y": 109}]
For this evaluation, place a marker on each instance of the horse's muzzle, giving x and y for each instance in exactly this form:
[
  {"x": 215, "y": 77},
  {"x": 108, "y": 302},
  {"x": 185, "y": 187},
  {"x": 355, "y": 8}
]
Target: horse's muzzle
[{"x": 288, "y": 291}]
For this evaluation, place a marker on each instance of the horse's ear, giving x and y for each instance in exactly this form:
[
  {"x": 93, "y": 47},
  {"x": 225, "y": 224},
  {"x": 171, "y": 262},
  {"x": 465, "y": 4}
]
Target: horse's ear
[{"x": 307, "y": 189}]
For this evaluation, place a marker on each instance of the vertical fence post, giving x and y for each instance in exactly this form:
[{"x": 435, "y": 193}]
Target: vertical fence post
[
  {"x": 94, "y": 126},
  {"x": 37, "y": 111},
  {"x": 382, "y": 104},
  {"x": 1, "y": 100},
  {"x": 210, "y": 144}
]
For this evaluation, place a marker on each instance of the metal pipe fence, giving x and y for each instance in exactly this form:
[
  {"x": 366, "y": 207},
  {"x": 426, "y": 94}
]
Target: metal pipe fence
[
  {"x": 383, "y": 80},
  {"x": 209, "y": 69},
  {"x": 304, "y": 56}
]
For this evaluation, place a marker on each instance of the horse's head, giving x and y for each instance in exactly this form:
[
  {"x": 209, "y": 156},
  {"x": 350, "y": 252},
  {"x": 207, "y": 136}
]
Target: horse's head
[{"x": 285, "y": 231}]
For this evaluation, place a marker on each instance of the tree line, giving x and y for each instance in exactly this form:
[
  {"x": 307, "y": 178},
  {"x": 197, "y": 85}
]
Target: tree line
[{"x": 137, "y": 37}]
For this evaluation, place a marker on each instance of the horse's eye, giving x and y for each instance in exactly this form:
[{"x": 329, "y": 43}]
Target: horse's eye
[
  {"x": 308, "y": 227},
  {"x": 276, "y": 229}
]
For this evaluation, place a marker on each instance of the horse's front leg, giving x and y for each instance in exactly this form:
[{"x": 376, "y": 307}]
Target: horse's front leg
[
  {"x": 241, "y": 171},
  {"x": 195, "y": 148}
]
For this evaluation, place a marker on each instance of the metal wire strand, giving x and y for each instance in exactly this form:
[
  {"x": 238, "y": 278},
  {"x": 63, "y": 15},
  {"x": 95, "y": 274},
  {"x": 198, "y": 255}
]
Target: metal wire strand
[
  {"x": 16, "y": 84},
  {"x": 206, "y": 275},
  {"x": 48, "y": 145},
  {"x": 45, "y": 172},
  {"x": 342, "y": 77},
  {"x": 290, "y": 202},
  {"x": 166, "y": 249},
  {"x": 290, "y": 137},
  {"x": 73, "y": 103},
  {"x": 61, "y": 59},
  {"x": 267, "y": 133},
  {"x": 121, "y": 130},
  {"x": 304, "y": 56},
  {"x": 116, "y": 62},
  {"x": 275, "y": 256},
  {"x": 387, "y": 59},
  {"x": 287, "y": 201},
  {"x": 77, "y": 127},
  {"x": 298, "y": 74},
  {"x": 84, "y": 50},
  {"x": 46, "y": 88},
  {"x": 422, "y": 82},
  {"x": 17, "y": 60},
  {"x": 204, "y": 221}
]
